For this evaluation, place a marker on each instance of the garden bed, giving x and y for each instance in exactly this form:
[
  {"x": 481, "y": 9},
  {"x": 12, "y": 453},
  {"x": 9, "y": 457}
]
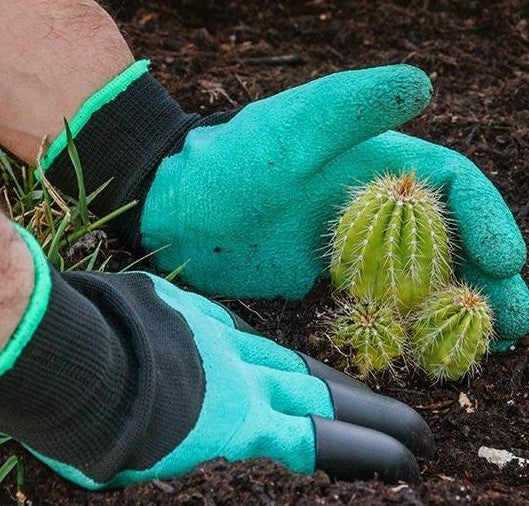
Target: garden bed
[{"x": 218, "y": 54}]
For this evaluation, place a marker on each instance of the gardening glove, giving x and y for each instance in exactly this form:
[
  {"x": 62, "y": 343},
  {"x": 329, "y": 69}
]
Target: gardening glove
[
  {"x": 238, "y": 194},
  {"x": 247, "y": 197},
  {"x": 112, "y": 379}
]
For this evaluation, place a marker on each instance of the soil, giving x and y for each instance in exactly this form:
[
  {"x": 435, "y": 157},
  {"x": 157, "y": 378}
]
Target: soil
[{"x": 214, "y": 55}]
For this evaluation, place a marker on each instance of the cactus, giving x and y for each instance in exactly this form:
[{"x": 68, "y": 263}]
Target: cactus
[
  {"x": 369, "y": 332},
  {"x": 391, "y": 243},
  {"x": 451, "y": 333}
]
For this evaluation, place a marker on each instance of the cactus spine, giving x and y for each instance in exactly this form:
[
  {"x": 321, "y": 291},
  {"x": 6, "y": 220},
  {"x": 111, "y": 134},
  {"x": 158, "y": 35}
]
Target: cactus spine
[
  {"x": 391, "y": 244},
  {"x": 452, "y": 332},
  {"x": 369, "y": 332}
]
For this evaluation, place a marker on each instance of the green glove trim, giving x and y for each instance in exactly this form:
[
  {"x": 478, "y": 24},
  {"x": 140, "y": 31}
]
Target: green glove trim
[
  {"x": 92, "y": 104},
  {"x": 38, "y": 304}
]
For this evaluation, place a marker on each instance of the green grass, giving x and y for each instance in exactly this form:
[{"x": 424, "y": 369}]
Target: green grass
[
  {"x": 13, "y": 464},
  {"x": 56, "y": 221},
  {"x": 59, "y": 221}
]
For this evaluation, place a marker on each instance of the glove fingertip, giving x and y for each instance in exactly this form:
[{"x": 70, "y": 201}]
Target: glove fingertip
[
  {"x": 406, "y": 91},
  {"x": 502, "y": 257}
]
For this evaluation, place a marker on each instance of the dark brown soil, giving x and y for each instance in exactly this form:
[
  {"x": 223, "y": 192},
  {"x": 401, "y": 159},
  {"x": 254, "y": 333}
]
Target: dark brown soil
[{"x": 216, "y": 54}]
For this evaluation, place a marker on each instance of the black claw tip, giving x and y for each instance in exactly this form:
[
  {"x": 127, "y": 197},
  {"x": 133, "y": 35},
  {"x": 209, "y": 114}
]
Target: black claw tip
[
  {"x": 368, "y": 409},
  {"x": 327, "y": 373},
  {"x": 350, "y": 452}
]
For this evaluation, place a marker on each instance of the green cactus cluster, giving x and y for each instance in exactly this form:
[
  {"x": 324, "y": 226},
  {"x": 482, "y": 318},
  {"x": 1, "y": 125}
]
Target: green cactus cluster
[{"x": 391, "y": 255}]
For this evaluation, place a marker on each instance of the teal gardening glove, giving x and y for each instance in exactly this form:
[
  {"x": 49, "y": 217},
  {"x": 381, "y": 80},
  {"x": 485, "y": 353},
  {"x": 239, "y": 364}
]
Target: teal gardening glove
[
  {"x": 247, "y": 196},
  {"x": 111, "y": 379}
]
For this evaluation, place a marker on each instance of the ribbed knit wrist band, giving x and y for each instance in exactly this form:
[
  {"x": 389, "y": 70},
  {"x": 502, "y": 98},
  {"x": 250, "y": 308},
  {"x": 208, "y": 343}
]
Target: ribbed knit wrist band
[{"x": 122, "y": 133}]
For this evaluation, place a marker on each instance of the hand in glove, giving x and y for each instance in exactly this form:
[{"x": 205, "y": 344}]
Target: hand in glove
[
  {"x": 247, "y": 197},
  {"x": 492, "y": 248},
  {"x": 111, "y": 379}
]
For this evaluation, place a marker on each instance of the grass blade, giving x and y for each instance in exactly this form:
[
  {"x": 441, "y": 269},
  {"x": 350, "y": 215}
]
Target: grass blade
[
  {"x": 93, "y": 257},
  {"x": 104, "y": 265},
  {"x": 76, "y": 267},
  {"x": 89, "y": 198},
  {"x": 74, "y": 157},
  {"x": 21, "y": 498},
  {"x": 20, "y": 474},
  {"x": 97, "y": 191},
  {"x": 7, "y": 467},
  {"x": 97, "y": 224},
  {"x": 172, "y": 275},
  {"x": 53, "y": 252},
  {"x": 144, "y": 257}
]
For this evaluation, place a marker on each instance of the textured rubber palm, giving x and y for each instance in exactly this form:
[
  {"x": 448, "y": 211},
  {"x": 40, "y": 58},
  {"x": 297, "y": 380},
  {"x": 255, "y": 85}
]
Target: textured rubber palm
[
  {"x": 258, "y": 396},
  {"x": 243, "y": 200}
]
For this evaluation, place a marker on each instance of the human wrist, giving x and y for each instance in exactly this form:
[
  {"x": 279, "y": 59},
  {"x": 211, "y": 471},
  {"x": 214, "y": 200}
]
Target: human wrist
[
  {"x": 25, "y": 290},
  {"x": 56, "y": 54}
]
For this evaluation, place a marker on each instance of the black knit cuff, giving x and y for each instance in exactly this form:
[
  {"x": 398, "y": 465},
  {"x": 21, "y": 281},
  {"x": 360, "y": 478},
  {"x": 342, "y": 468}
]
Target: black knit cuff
[
  {"x": 110, "y": 380},
  {"x": 126, "y": 140}
]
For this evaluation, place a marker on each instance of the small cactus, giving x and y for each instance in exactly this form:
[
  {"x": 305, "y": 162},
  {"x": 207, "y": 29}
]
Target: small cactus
[
  {"x": 392, "y": 244},
  {"x": 451, "y": 333},
  {"x": 369, "y": 332}
]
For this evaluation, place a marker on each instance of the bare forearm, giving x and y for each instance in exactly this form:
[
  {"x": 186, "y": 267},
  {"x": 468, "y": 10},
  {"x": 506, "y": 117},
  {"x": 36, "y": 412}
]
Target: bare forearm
[
  {"x": 54, "y": 55},
  {"x": 16, "y": 279}
]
